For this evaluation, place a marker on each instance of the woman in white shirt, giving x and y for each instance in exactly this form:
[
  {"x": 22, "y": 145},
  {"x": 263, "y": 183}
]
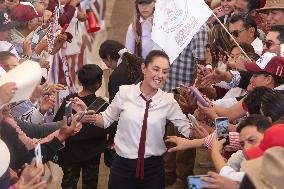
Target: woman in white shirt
[
  {"x": 141, "y": 111},
  {"x": 138, "y": 37}
]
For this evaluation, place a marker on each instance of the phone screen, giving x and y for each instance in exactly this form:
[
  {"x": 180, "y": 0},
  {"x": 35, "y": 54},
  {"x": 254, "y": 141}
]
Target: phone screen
[
  {"x": 194, "y": 182},
  {"x": 222, "y": 124}
]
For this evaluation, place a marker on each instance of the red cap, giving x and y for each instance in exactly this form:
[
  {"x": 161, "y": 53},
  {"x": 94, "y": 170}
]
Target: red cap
[
  {"x": 274, "y": 136},
  {"x": 268, "y": 62},
  {"x": 24, "y": 12}
]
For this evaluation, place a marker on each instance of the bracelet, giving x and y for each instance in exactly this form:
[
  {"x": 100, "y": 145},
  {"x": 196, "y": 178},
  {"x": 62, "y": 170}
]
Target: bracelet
[{"x": 27, "y": 57}]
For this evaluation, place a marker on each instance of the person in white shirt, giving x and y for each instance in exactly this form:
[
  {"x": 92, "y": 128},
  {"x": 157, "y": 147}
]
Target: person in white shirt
[
  {"x": 141, "y": 111},
  {"x": 138, "y": 37}
]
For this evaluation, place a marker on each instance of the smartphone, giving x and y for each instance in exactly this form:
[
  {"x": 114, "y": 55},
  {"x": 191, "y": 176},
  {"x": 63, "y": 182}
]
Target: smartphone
[
  {"x": 68, "y": 113},
  {"x": 64, "y": 28},
  {"x": 195, "y": 182},
  {"x": 199, "y": 96},
  {"x": 222, "y": 124},
  {"x": 39, "y": 33},
  {"x": 38, "y": 155},
  {"x": 282, "y": 49},
  {"x": 98, "y": 105}
]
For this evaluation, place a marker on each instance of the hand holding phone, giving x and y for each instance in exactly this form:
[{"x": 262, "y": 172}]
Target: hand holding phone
[
  {"x": 222, "y": 128},
  {"x": 68, "y": 113},
  {"x": 199, "y": 96},
  {"x": 38, "y": 155},
  {"x": 195, "y": 182}
]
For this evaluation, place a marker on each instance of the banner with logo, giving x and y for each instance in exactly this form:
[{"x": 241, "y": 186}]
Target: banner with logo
[{"x": 176, "y": 22}]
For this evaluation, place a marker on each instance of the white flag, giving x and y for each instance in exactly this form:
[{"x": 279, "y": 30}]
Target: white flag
[{"x": 176, "y": 22}]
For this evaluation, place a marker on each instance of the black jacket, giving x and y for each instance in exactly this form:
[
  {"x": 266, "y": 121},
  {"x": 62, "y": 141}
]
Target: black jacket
[{"x": 85, "y": 145}]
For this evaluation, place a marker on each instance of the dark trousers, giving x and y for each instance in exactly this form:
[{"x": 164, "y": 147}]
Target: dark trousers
[
  {"x": 90, "y": 174},
  {"x": 122, "y": 174}
]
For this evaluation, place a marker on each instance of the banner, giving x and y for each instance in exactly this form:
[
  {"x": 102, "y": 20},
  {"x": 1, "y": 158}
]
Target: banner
[
  {"x": 176, "y": 22},
  {"x": 27, "y": 76}
]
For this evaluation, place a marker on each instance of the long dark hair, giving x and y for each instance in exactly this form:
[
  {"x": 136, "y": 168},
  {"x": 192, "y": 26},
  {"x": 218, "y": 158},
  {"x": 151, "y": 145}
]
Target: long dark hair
[{"x": 133, "y": 63}]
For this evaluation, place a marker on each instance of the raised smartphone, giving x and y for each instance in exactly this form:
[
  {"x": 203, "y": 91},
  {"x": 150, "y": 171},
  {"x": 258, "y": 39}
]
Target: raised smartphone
[
  {"x": 195, "y": 182},
  {"x": 68, "y": 113},
  {"x": 199, "y": 96},
  {"x": 222, "y": 124}
]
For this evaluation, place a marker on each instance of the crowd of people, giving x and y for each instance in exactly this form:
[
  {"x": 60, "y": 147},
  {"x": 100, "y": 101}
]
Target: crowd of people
[{"x": 223, "y": 93}]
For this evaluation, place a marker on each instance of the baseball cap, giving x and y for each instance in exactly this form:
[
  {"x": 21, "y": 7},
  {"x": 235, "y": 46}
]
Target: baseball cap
[
  {"x": 268, "y": 62},
  {"x": 6, "y": 22},
  {"x": 5, "y": 158},
  {"x": 274, "y": 136},
  {"x": 144, "y": 1},
  {"x": 24, "y": 12},
  {"x": 266, "y": 172}
]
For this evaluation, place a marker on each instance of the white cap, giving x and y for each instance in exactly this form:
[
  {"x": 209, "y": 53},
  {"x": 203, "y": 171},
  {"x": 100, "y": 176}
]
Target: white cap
[{"x": 5, "y": 158}]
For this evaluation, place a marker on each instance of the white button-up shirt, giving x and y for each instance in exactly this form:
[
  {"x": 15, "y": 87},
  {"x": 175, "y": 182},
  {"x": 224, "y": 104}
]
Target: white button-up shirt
[
  {"x": 147, "y": 43},
  {"x": 128, "y": 109}
]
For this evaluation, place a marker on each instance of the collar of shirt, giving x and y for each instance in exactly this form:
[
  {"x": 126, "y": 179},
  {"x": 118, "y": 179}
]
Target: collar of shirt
[{"x": 156, "y": 99}]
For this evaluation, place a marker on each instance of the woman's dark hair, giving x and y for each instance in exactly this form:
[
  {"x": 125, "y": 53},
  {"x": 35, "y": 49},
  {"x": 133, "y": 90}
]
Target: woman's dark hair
[
  {"x": 253, "y": 100},
  {"x": 133, "y": 66},
  {"x": 133, "y": 63},
  {"x": 153, "y": 54},
  {"x": 218, "y": 40},
  {"x": 248, "y": 49},
  {"x": 110, "y": 48},
  {"x": 90, "y": 75},
  {"x": 272, "y": 105},
  {"x": 259, "y": 121}
]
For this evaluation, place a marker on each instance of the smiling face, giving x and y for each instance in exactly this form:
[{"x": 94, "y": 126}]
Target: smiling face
[
  {"x": 250, "y": 137},
  {"x": 228, "y": 5},
  {"x": 155, "y": 73}
]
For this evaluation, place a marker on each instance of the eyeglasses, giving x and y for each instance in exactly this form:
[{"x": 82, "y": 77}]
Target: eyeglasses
[
  {"x": 236, "y": 33},
  {"x": 226, "y": 0},
  {"x": 270, "y": 43}
]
